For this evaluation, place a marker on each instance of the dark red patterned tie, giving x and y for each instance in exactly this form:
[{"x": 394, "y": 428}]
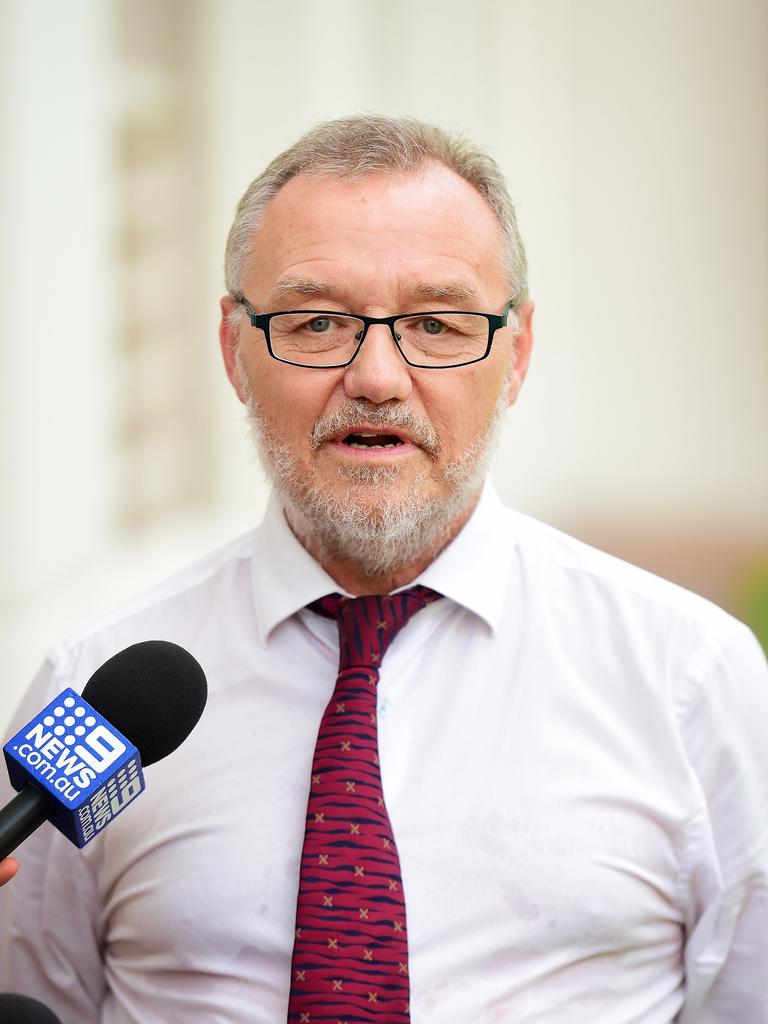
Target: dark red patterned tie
[{"x": 350, "y": 953}]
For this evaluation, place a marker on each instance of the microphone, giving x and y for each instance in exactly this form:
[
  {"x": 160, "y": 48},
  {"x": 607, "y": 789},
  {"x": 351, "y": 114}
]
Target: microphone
[
  {"x": 78, "y": 763},
  {"x": 23, "y": 1010}
]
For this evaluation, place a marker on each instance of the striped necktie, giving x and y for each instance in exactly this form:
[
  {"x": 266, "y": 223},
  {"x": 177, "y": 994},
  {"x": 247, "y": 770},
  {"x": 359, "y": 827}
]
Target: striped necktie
[{"x": 350, "y": 953}]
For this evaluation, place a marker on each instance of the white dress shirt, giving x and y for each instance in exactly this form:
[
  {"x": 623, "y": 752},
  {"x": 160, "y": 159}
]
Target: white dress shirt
[{"x": 574, "y": 760}]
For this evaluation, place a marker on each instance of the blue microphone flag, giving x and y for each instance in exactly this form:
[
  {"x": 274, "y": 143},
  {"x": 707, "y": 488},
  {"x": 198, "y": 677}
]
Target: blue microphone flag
[{"x": 88, "y": 770}]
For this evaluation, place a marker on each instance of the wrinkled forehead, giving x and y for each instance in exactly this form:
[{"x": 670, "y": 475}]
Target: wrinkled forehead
[
  {"x": 430, "y": 226},
  {"x": 389, "y": 192}
]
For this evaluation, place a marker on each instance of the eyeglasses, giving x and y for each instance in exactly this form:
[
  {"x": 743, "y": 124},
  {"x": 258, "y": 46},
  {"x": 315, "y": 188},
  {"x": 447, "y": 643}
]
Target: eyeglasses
[{"x": 437, "y": 339}]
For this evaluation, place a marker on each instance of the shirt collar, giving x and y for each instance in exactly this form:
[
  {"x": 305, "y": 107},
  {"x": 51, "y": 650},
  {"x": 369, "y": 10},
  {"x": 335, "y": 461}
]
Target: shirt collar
[
  {"x": 285, "y": 577},
  {"x": 472, "y": 570}
]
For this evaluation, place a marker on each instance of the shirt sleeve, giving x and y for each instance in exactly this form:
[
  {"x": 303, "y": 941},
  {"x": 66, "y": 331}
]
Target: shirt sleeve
[
  {"x": 724, "y": 728},
  {"x": 50, "y": 922}
]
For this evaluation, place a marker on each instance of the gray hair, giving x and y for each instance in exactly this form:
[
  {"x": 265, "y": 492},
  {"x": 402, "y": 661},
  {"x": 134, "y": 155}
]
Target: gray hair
[{"x": 354, "y": 147}]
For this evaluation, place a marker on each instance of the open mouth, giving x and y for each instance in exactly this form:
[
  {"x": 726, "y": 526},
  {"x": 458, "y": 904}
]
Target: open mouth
[{"x": 372, "y": 441}]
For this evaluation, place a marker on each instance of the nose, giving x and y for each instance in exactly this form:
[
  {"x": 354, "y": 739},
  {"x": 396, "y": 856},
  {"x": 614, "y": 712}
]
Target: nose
[{"x": 378, "y": 373}]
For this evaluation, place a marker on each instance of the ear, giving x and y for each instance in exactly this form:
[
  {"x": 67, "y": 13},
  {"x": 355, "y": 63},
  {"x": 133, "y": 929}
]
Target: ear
[
  {"x": 229, "y": 339},
  {"x": 522, "y": 353}
]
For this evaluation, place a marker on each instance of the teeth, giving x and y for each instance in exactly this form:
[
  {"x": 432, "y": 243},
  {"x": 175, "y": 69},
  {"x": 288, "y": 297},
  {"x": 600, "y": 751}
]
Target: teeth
[{"x": 368, "y": 447}]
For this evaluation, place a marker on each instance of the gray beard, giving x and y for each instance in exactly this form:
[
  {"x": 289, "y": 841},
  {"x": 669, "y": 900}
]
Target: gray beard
[{"x": 373, "y": 525}]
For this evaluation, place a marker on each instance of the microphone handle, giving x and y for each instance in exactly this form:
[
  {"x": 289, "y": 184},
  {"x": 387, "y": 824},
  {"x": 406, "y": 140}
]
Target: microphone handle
[{"x": 19, "y": 819}]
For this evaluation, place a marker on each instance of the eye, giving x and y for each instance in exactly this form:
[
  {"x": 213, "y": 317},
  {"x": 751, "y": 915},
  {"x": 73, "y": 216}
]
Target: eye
[
  {"x": 432, "y": 326},
  {"x": 319, "y": 325}
]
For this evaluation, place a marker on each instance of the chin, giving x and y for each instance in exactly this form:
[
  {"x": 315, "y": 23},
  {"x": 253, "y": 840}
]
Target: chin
[
  {"x": 377, "y": 527},
  {"x": 380, "y": 491}
]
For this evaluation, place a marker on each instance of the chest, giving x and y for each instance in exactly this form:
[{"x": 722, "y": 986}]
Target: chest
[{"x": 531, "y": 802}]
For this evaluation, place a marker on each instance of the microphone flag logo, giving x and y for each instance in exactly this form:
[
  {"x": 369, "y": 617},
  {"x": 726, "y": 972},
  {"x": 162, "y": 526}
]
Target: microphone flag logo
[{"x": 88, "y": 769}]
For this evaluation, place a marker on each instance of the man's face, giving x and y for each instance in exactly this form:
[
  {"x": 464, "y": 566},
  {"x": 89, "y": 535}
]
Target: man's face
[{"x": 380, "y": 246}]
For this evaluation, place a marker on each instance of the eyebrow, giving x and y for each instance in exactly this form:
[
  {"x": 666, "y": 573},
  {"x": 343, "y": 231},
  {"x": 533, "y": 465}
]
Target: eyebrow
[
  {"x": 457, "y": 293},
  {"x": 305, "y": 286}
]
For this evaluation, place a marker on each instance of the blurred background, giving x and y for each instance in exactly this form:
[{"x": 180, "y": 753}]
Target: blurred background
[{"x": 635, "y": 140}]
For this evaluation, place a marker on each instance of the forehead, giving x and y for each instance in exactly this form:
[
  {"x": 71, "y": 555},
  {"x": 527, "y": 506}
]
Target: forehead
[{"x": 381, "y": 235}]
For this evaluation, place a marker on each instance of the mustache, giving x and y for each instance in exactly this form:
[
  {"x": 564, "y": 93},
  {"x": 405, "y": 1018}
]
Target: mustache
[{"x": 395, "y": 415}]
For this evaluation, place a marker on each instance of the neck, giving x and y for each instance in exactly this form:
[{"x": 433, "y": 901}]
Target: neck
[{"x": 352, "y": 577}]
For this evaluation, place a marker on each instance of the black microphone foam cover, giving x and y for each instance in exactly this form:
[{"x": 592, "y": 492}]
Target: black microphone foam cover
[
  {"x": 23, "y": 1010},
  {"x": 153, "y": 692}
]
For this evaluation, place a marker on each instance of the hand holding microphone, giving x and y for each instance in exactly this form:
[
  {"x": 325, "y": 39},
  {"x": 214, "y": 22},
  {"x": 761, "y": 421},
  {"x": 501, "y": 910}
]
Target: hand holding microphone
[{"x": 78, "y": 763}]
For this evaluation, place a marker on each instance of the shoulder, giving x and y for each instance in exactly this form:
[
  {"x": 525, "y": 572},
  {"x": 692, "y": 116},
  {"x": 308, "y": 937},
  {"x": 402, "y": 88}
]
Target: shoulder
[
  {"x": 628, "y": 625},
  {"x": 603, "y": 582},
  {"x": 627, "y": 620},
  {"x": 187, "y": 608}
]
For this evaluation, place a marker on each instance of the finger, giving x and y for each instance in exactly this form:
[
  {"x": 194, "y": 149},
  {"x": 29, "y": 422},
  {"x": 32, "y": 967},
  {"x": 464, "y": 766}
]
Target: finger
[{"x": 8, "y": 869}]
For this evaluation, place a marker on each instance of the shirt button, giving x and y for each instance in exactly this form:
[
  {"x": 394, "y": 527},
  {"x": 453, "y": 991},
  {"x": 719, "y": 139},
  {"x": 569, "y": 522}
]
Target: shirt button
[{"x": 386, "y": 707}]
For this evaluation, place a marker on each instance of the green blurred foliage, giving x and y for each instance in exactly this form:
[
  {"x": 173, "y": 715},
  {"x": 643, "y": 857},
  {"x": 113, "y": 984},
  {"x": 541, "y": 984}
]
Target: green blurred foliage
[{"x": 752, "y": 600}]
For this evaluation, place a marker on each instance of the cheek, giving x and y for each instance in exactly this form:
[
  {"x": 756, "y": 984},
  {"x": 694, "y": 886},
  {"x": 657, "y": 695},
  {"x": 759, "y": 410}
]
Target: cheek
[
  {"x": 292, "y": 400},
  {"x": 462, "y": 413},
  {"x": 293, "y": 423}
]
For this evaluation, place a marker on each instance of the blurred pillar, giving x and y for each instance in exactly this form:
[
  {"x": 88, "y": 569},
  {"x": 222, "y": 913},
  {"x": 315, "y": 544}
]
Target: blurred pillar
[{"x": 56, "y": 392}]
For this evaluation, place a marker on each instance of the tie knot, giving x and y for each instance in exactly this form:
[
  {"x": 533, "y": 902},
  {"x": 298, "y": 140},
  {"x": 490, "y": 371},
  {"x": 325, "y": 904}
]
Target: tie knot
[{"x": 368, "y": 625}]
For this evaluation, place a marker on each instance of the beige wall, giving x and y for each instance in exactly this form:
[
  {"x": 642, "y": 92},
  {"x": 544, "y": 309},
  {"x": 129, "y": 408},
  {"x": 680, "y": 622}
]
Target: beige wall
[{"x": 634, "y": 138}]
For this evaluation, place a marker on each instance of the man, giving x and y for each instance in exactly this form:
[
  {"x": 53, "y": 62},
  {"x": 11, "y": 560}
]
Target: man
[{"x": 564, "y": 755}]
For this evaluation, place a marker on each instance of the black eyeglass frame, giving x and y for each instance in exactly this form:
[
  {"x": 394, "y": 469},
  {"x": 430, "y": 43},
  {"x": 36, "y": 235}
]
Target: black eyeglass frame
[{"x": 262, "y": 320}]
